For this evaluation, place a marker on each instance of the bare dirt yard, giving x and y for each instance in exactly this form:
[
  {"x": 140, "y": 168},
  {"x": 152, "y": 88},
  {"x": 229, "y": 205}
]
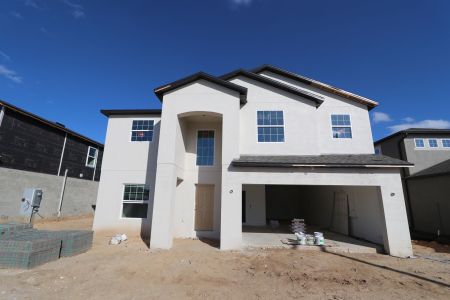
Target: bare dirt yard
[{"x": 196, "y": 269}]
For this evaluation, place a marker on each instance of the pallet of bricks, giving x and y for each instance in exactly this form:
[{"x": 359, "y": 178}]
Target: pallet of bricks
[{"x": 23, "y": 247}]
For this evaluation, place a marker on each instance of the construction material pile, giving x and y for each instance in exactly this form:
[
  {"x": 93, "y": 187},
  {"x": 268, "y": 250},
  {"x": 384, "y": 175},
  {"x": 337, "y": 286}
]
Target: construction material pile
[
  {"x": 298, "y": 226},
  {"x": 24, "y": 247}
]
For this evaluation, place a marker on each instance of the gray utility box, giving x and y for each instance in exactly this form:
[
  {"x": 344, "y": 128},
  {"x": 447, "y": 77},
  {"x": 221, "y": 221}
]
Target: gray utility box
[{"x": 31, "y": 200}]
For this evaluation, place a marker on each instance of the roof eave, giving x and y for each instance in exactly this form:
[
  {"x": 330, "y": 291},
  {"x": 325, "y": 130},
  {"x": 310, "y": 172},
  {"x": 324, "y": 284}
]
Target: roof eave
[
  {"x": 345, "y": 94},
  {"x": 160, "y": 91}
]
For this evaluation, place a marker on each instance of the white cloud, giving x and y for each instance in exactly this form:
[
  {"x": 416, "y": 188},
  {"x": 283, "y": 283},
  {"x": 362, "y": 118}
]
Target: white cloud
[
  {"x": 77, "y": 9},
  {"x": 32, "y": 3},
  {"x": 408, "y": 119},
  {"x": 439, "y": 124},
  {"x": 379, "y": 117},
  {"x": 10, "y": 74},
  {"x": 16, "y": 15},
  {"x": 5, "y": 56},
  {"x": 241, "y": 2}
]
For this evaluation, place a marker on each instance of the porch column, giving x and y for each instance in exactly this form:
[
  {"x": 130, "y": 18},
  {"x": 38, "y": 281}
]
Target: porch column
[
  {"x": 397, "y": 241},
  {"x": 231, "y": 214}
]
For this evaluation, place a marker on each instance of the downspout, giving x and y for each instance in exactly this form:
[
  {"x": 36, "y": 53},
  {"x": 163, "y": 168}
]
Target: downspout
[
  {"x": 62, "y": 155},
  {"x": 408, "y": 200}
]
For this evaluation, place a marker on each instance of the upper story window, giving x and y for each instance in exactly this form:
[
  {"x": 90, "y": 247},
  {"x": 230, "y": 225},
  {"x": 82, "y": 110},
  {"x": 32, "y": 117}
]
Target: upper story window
[
  {"x": 433, "y": 143},
  {"x": 270, "y": 126},
  {"x": 135, "y": 201},
  {"x": 341, "y": 126},
  {"x": 446, "y": 143},
  {"x": 91, "y": 159},
  {"x": 142, "y": 131},
  {"x": 205, "y": 148},
  {"x": 420, "y": 143}
]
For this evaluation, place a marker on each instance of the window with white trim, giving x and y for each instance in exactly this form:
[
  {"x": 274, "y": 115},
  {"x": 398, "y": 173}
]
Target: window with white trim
[
  {"x": 142, "y": 131},
  {"x": 446, "y": 143},
  {"x": 377, "y": 150},
  {"x": 135, "y": 201},
  {"x": 91, "y": 159},
  {"x": 433, "y": 143},
  {"x": 205, "y": 148},
  {"x": 420, "y": 143},
  {"x": 270, "y": 126},
  {"x": 341, "y": 126}
]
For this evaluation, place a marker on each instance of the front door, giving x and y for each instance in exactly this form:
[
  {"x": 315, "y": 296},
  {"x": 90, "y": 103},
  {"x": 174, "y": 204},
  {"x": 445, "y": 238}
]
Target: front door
[{"x": 204, "y": 207}]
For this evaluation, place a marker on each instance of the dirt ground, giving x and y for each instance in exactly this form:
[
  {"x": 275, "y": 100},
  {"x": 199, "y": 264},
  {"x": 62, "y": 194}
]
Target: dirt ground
[{"x": 196, "y": 269}]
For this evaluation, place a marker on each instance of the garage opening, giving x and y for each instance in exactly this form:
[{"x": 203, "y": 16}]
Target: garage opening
[{"x": 350, "y": 217}]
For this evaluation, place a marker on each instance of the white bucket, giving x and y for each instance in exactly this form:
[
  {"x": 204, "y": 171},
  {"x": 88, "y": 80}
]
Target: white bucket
[
  {"x": 301, "y": 238},
  {"x": 319, "y": 239},
  {"x": 309, "y": 240}
]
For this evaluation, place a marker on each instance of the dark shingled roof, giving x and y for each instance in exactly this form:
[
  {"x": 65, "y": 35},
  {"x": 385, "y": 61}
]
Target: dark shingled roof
[
  {"x": 160, "y": 91},
  {"x": 426, "y": 131},
  {"x": 442, "y": 168},
  {"x": 279, "y": 85},
  {"x": 112, "y": 112},
  {"x": 332, "y": 160}
]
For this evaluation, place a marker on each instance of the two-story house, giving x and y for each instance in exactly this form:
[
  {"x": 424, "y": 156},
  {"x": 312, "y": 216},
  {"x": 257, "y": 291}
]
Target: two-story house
[
  {"x": 240, "y": 149},
  {"x": 427, "y": 185}
]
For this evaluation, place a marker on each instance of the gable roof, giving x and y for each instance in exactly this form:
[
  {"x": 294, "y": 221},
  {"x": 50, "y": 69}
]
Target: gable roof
[
  {"x": 115, "y": 112},
  {"x": 324, "y": 161},
  {"x": 160, "y": 91},
  {"x": 442, "y": 168},
  {"x": 55, "y": 125},
  {"x": 323, "y": 86},
  {"x": 279, "y": 85},
  {"x": 430, "y": 131}
]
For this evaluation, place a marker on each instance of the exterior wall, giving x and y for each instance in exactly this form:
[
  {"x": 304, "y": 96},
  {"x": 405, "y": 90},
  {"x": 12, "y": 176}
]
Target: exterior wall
[
  {"x": 125, "y": 162},
  {"x": 430, "y": 204},
  {"x": 255, "y": 205},
  {"x": 427, "y": 157},
  {"x": 29, "y": 145},
  {"x": 320, "y": 124},
  {"x": 184, "y": 211},
  {"x": 201, "y": 97},
  {"x": 79, "y": 195}
]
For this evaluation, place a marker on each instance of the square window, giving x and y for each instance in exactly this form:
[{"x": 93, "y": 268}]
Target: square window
[
  {"x": 341, "y": 126},
  {"x": 142, "y": 130},
  {"x": 446, "y": 143},
  {"x": 270, "y": 126},
  {"x": 433, "y": 143},
  {"x": 419, "y": 143}
]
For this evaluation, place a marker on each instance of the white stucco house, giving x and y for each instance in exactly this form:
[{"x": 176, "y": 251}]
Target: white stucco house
[{"x": 240, "y": 149}]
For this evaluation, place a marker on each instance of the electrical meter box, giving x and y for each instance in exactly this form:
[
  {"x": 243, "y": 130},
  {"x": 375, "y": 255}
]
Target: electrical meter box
[{"x": 31, "y": 201}]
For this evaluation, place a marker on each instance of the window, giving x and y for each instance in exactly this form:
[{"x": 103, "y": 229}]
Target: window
[
  {"x": 270, "y": 126},
  {"x": 433, "y": 143},
  {"x": 142, "y": 131},
  {"x": 91, "y": 160},
  {"x": 446, "y": 143},
  {"x": 377, "y": 150},
  {"x": 135, "y": 201},
  {"x": 341, "y": 126},
  {"x": 419, "y": 143},
  {"x": 205, "y": 148}
]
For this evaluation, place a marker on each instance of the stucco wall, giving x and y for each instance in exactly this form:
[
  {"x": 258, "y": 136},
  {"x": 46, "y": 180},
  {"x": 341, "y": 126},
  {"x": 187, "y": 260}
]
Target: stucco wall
[
  {"x": 426, "y": 157},
  {"x": 430, "y": 203},
  {"x": 320, "y": 126},
  {"x": 79, "y": 195},
  {"x": 125, "y": 162}
]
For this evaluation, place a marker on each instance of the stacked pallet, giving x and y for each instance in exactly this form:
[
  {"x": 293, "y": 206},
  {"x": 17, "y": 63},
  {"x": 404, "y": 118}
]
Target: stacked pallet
[
  {"x": 8, "y": 230},
  {"x": 298, "y": 226},
  {"x": 23, "y": 247}
]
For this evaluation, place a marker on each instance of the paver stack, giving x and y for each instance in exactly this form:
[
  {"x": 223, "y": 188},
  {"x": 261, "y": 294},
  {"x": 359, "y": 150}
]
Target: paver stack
[{"x": 23, "y": 247}]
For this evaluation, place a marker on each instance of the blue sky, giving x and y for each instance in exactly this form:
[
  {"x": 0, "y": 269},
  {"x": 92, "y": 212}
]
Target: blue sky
[{"x": 67, "y": 59}]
